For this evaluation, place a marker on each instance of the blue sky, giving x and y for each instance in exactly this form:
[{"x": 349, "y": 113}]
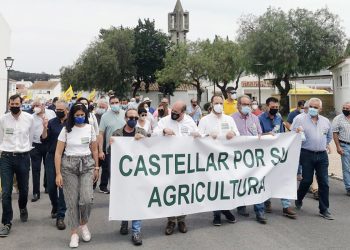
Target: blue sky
[{"x": 48, "y": 34}]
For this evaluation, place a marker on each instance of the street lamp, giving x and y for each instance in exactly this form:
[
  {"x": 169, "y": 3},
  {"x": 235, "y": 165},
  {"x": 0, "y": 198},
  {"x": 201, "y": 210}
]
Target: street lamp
[
  {"x": 8, "y": 64},
  {"x": 258, "y": 65}
]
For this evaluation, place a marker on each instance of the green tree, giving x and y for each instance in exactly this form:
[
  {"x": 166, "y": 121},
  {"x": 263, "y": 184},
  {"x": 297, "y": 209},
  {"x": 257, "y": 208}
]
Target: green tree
[
  {"x": 107, "y": 63},
  {"x": 347, "y": 49},
  {"x": 226, "y": 63},
  {"x": 149, "y": 50},
  {"x": 288, "y": 44},
  {"x": 187, "y": 64}
]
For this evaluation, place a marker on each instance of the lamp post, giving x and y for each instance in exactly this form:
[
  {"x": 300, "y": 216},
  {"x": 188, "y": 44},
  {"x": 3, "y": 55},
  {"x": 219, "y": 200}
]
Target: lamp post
[
  {"x": 8, "y": 64},
  {"x": 258, "y": 65}
]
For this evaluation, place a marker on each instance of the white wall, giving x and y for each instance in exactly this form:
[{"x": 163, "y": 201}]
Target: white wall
[
  {"x": 341, "y": 93},
  {"x": 5, "y": 34}
]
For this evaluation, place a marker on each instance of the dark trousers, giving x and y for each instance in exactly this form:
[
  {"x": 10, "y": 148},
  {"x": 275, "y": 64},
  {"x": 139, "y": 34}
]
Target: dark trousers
[
  {"x": 311, "y": 162},
  {"x": 56, "y": 194},
  {"x": 10, "y": 165},
  {"x": 37, "y": 155},
  {"x": 106, "y": 167}
]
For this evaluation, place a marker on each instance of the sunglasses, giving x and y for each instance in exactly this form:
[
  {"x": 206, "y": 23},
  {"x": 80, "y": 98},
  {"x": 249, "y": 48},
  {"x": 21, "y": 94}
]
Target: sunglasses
[
  {"x": 143, "y": 115},
  {"x": 133, "y": 118}
]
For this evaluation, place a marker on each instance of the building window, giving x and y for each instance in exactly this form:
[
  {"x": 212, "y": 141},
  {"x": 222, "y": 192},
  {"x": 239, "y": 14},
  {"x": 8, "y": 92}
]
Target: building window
[{"x": 341, "y": 81}]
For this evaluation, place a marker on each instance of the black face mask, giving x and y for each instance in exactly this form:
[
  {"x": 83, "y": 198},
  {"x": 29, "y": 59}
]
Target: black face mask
[
  {"x": 91, "y": 108},
  {"x": 174, "y": 116},
  {"x": 346, "y": 112},
  {"x": 273, "y": 111},
  {"x": 60, "y": 114},
  {"x": 161, "y": 112},
  {"x": 15, "y": 110},
  {"x": 137, "y": 100}
]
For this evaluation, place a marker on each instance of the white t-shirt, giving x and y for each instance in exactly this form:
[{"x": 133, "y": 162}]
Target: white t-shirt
[
  {"x": 78, "y": 140},
  {"x": 212, "y": 124},
  {"x": 146, "y": 126}
]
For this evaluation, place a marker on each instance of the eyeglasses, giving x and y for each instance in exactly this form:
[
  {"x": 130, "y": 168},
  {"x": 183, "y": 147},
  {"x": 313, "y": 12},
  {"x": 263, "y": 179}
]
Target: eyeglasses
[
  {"x": 313, "y": 107},
  {"x": 133, "y": 118}
]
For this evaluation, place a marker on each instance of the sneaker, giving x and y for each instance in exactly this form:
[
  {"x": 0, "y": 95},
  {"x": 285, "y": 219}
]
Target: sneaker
[
  {"x": 288, "y": 212},
  {"x": 60, "y": 224},
  {"x": 348, "y": 193},
  {"x": 124, "y": 230},
  {"x": 316, "y": 196},
  {"x": 104, "y": 190},
  {"x": 182, "y": 227},
  {"x": 136, "y": 239},
  {"x": 23, "y": 214},
  {"x": 217, "y": 221},
  {"x": 242, "y": 211},
  {"x": 5, "y": 230},
  {"x": 268, "y": 207},
  {"x": 327, "y": 215},
  {"x": 229, "y": 216},
  {"x": 85, "y": 233},
  {"x": 74, "y": 241},
  {"x": 298, "y": 204},
  {"x": 261, "y": 218},
  {"x": 169, "y": 230}
]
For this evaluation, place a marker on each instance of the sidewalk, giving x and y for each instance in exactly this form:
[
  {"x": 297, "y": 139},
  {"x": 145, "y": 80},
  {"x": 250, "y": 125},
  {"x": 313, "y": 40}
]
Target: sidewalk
[{"x": 335, "y": 169}]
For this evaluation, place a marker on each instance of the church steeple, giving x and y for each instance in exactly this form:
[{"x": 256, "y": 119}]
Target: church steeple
[{"x": 178, "y": 24}]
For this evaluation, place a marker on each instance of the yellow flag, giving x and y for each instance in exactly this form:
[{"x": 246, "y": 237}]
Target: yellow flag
[
  {"x": 79, "y": 94},
  {"x": 92, "y": 95},
  {"x": 69, "y": 93}
]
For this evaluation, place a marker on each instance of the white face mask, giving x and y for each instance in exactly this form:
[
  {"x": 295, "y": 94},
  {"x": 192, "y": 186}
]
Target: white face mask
[
  {"x": 234, "y": 96},
  {"x": 254, "y": 106},
  {"x": 218, "y": 108},
  {"x": 37, "y": 110},
  {"x": 100, "y": 111}
]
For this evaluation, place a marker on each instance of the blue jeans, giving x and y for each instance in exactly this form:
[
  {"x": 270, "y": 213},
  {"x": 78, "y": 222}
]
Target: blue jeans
[
  {"x": 345, "y": 161},
  {"x": 10, "y": 165},
  {"x": 311, "y": 162},
  {"x": 135, "y": 226},
  {"x": 285, "y": 202},
  {"x": 259, "y": 209},
  {"x": 58, "y": 203}
]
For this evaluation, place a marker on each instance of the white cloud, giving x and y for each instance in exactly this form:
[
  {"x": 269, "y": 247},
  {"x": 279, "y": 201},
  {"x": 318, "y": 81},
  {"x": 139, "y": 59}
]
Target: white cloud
[{"x": 48, "y": 34}]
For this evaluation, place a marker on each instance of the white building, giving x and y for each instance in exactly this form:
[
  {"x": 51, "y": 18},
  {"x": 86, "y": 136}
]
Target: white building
[
  {"x": 45, "y": 90},
  {"x": 5, "y": 35},
  {"x": 341, "y": 83}
]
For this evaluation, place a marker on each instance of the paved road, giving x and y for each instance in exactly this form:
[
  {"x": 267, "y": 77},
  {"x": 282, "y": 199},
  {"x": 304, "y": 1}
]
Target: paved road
[{"x": 309, "y": 231}]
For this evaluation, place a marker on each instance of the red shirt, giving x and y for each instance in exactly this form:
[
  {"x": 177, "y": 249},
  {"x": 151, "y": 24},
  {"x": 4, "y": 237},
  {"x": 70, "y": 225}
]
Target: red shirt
[{"x": 257, "y": 112}]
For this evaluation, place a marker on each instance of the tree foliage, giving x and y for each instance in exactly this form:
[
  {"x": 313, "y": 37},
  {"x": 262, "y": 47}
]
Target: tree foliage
[
  {"x": 288, "y": 44},
  {"x": 149, "y": 51}
]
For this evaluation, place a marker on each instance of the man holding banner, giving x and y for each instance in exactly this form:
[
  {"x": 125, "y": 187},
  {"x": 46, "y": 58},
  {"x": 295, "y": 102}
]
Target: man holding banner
[
  {"x": 176, "y": 124},
  {"x": 248, "y": 124},
  {"x": 217, "y": 124},
  {"x": 271, "y": 123}
]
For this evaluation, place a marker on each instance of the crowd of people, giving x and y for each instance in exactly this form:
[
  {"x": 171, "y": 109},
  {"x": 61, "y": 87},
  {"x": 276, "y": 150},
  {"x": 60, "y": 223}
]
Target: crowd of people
[{"x": 72, "y": 140}]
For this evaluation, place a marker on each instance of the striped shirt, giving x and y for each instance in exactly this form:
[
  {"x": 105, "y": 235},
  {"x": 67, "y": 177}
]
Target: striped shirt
[{"x": 341, "y": 125}]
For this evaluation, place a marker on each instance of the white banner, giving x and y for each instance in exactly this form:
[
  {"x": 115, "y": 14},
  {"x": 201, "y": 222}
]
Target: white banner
[{"x": 170, "y": 176}]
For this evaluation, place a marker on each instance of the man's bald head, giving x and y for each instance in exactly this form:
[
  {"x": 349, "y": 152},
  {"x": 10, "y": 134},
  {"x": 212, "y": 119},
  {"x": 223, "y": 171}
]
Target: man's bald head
[{"x": 179, "y": 108}]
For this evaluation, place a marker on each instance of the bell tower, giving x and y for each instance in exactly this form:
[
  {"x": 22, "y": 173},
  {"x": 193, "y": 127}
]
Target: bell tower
[{"x": 178, "y": 24}]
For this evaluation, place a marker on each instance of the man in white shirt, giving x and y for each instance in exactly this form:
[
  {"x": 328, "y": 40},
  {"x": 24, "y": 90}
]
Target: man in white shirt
[
  {"x": 16, "y": 136},
  {"x": 217, "y": 124},
  {"x": 38, "y": 153},
  {"x": 176, "y": 124}
]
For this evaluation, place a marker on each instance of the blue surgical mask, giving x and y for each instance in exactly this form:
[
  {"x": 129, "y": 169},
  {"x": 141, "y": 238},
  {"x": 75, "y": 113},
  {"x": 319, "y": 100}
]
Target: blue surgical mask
[
  {"x": 79, "y": 119},
  {"x": 124, "y": 106},
  {"x": 246, "y": 110},
  {"x": 313, "y": 112},
  {"x": 115, "y": 107}
]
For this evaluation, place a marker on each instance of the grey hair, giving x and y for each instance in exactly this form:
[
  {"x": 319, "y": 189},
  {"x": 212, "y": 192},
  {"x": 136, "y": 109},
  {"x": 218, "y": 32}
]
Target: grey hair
[
  {"x": 63, "y": 102},
  {"x": 314, "y": 99},
  {"x": 346, "y": 103},
  {"x": 242, "y": 96},
  {"x": 126, "y": 111},
  {"x": 102, "y": 100}
]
